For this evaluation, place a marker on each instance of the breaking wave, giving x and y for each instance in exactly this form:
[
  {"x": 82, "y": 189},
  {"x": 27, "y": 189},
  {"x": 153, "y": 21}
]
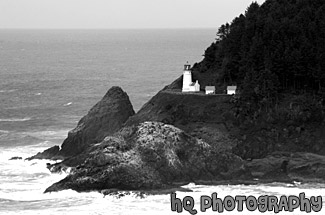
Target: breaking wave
[
  {"x": 68, "y": 104},
  {"x": 7, "y": 91},
  {"x": 16, "y": 119}
]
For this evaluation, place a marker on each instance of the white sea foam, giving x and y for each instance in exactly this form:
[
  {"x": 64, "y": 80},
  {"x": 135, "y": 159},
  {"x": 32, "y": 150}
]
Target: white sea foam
[
  {"x": 68, "y": 104},
  {"x": 7, "y": 91},
  {"x": 16, "y": 119},
  {"x": 4, "y": 132}
]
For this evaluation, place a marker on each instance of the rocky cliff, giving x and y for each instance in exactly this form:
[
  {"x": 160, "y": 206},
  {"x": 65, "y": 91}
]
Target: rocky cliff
[{"x": 104, "y": 118}]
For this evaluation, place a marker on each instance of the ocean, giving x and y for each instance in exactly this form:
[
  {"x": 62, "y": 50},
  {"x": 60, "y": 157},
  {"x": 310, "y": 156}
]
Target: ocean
[{"x": 49, "y": 79}]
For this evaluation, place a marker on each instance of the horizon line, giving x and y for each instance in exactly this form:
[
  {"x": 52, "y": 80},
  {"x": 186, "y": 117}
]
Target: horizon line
[{"x": 131, "y": 28}]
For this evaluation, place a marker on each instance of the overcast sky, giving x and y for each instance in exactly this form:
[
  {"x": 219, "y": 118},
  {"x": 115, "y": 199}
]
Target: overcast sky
[{"x": 119, "y": 13}]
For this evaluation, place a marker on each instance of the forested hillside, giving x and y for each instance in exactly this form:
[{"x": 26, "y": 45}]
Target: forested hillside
[{"x": 274, "y": 47}]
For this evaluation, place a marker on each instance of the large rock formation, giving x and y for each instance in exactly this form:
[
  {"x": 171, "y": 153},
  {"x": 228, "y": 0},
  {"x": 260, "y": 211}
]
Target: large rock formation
[
  {"x": 151, "y": 155},
  {"x": 104, "y": 118},
  {"x": 191, "y": 140},
  {"x": 154, "y": 155}
]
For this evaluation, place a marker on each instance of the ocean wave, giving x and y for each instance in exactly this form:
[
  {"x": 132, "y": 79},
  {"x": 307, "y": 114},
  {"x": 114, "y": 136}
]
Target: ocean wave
[
  {"x": 13, "y": 139},
  {"x": 38, "y": 139},
  {"x": 3, "y": 132},
  {"x": 68, "y": 104},
  {"x": 48, "y": 134},
  {"x": 15, "y": 119},
  {"x": 6, "y": 91}
]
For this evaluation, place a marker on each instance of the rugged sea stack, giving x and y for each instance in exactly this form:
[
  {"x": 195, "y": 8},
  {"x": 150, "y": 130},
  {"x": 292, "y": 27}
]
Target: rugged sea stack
[
  {"x": 272, "y": 130},
  {"x": 104, "y": 118}
]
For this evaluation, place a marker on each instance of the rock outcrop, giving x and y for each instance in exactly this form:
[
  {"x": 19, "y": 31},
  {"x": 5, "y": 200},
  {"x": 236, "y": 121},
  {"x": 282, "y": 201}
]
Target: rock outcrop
[
  {"x": 288, "y": 166},
  {"x": 151, "y": 155},
  {"x": 104, "y": 118},
  {"x": 50, "y": 153}
]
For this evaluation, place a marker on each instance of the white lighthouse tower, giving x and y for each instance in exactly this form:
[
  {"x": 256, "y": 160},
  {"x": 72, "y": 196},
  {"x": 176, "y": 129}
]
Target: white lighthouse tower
[
  {"x": 188, "y": 85},
  {"x": 187, "y": 78}
]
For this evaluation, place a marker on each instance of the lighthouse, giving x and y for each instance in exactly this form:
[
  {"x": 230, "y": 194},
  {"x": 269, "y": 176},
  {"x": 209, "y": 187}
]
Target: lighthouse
[
  {"x": 187, "y": 78},
  {"x": 188, "y": 85}
]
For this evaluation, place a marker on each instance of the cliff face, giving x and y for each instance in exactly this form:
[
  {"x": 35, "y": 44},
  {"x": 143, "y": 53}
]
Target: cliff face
[
  {"x": 104, "y": 118},
  {"x": 174, "y": 107},
  {"x": 199, "y": 115}
]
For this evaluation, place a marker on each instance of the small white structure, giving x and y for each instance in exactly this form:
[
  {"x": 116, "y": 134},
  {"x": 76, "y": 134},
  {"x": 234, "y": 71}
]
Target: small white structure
[
  {"x": 188, "y": 85},
  {"x": 231, "y": 90},
  {"x": 195, "y": 87},
  {"x": 210, "y": 89}
]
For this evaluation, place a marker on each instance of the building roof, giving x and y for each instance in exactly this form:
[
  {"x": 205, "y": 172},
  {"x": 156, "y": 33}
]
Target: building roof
[
  {"x": 231, "y": 87},
  {"x": 192, "y": 84},
  {"x": 210, "y": 88}
]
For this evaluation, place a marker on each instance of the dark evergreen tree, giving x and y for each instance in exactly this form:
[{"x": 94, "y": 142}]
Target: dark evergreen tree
[{"x": 277, "y": 46}]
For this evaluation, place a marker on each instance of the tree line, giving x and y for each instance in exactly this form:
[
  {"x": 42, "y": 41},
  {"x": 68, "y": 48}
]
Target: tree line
[{"x": 271, "y": 48}]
